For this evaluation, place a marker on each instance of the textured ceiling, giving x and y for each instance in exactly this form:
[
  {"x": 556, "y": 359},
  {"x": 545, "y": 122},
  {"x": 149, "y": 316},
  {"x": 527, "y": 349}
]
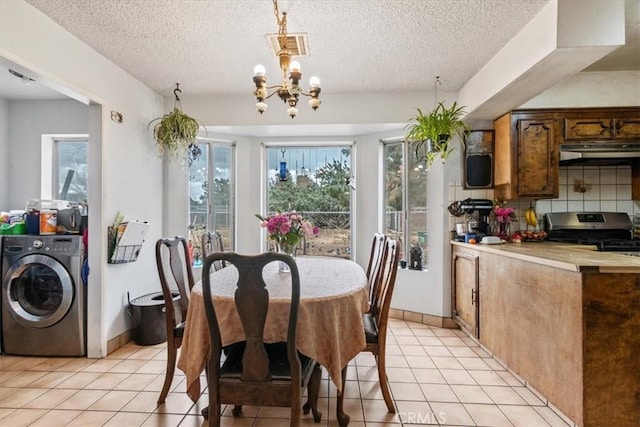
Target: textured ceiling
[{"x": 211, "y": 46}]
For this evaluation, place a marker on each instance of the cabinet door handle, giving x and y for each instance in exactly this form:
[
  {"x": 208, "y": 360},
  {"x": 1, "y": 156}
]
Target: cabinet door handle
[{"x": 473, "y": 296}]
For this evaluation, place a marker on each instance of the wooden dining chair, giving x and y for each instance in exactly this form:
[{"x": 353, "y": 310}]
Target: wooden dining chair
[
  {"x": 376, "y": 320},
  {"x": 374, "y": 266},
  {"x": 255, "y": 372},
  {"x": 174, "y": 269},
  {"x": 212, "y": 242}
]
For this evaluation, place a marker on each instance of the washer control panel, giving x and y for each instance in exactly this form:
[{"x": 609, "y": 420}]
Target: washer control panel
[{"x": 58, "y": 244}]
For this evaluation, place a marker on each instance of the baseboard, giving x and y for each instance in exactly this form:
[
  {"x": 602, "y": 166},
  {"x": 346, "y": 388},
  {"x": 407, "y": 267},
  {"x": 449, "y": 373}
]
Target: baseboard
[
  {"x": 425, "y": 319},
  {"x": 115, "y": 343}
]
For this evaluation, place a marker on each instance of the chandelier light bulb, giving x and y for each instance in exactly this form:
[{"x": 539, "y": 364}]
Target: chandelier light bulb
[
  {"x": 294, "y": 66},
  {"x": 259, "y": 70},
  {"x": 292, "y": 111},
  {"x": 314, "y": 81}
]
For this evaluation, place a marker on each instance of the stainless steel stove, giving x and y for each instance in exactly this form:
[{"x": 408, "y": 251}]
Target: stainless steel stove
[{"x": 608, "y": 231}]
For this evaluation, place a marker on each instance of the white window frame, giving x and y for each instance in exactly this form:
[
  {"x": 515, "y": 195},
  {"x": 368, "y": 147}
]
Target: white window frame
[
  {"x": 313, "y": 144},
  {"x": 49, "y": 162},
  {"x": 210, "y": 222},
  {"x": 406, "y": 154}
]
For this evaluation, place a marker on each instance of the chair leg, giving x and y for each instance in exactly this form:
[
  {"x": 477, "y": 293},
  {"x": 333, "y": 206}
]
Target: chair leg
[
  {"x": 341, "y": 416},
  {"x": 384, "y": 382},
  {"x": 295, "y": 415},
  {"x": 313, "y": 391},
  {"x": 212, "y": 412},
  {"x": 213, "y": 417},
  {"x": 237, "y": 410},
  {"x": 168, "y": 378}
]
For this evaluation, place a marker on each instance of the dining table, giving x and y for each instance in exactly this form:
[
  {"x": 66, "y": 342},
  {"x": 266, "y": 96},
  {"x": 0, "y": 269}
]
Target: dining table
[{"x": 330, "y": 330}]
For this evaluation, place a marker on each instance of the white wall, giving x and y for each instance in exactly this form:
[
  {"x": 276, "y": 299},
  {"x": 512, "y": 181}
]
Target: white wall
[
  {"x": 591, "y": 89},
  {"x": 126, "y": 173},
  {"x": 28, "y": 121},
  {"x": 4, "y": 154}
]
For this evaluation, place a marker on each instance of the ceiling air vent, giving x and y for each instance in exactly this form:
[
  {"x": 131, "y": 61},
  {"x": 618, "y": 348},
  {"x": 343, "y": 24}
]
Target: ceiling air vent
[{"x": 297, "y": 43}]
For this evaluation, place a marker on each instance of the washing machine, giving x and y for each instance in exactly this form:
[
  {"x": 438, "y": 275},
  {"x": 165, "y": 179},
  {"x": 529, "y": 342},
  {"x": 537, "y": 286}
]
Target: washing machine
[{"x": 43, "y": 297}]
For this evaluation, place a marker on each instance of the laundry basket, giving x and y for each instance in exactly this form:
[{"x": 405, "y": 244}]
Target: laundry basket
[{"x": 148, "y": 317}]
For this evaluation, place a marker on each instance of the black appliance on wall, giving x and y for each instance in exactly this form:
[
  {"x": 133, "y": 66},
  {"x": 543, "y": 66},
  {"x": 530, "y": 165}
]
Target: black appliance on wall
[{"x": 478, "y": 159}]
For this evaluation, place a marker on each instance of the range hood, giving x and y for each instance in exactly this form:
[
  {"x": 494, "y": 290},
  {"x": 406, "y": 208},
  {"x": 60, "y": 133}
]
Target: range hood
[{"x": 599, "y": 153}]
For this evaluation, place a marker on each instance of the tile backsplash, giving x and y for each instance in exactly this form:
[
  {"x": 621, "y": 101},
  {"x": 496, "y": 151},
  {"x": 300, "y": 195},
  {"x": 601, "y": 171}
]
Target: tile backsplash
[{"x": 582, "y": 188}]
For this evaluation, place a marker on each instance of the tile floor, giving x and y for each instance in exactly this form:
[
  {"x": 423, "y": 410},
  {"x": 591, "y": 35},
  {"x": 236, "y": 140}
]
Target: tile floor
[{"x": 438, "y": 377}]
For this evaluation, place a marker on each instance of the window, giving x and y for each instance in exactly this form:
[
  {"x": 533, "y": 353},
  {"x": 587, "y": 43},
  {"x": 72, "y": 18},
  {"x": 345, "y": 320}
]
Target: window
[
  {"x": 405, "y": 199},
  {"x": 317, "y": 184},
  {"x": 70, "y": 169},
  {"x": 211, "y": 195}
]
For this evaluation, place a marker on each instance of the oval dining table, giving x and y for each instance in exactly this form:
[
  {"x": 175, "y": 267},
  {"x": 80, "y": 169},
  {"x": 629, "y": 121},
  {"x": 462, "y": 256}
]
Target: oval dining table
[{"x": 333, "y": 297}]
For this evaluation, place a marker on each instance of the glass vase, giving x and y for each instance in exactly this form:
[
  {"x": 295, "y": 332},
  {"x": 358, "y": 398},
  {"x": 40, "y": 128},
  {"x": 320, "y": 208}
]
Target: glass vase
[
  {"x": 504, "y": 230},
  {"x": 289, "y": 250}
]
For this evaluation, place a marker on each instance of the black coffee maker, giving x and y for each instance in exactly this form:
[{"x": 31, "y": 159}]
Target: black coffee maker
[{"x": 483, "y": 209}]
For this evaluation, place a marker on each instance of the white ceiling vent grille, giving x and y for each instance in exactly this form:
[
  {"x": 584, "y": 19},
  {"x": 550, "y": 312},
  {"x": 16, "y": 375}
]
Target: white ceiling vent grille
[{"x": 297, "y": 43}]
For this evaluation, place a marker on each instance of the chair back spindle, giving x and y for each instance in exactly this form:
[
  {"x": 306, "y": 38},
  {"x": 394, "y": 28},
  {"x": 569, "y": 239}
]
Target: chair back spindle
[
  {"x": 212, "y": 242},
  {"x": 375, "y": 268}
]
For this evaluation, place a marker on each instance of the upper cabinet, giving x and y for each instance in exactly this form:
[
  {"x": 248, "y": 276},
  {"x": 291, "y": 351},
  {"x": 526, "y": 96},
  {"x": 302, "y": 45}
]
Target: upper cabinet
[
  {"x": 615, "y": 125},
  {"x": 526, "y": 156},
  {"x": 527, "y": 144}
]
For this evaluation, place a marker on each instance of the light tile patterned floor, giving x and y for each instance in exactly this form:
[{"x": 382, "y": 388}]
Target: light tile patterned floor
[{"x": 438, "y": 377}]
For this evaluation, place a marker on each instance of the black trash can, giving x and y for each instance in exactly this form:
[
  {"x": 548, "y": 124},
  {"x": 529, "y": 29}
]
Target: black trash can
[{"x": 149, "y": 318}]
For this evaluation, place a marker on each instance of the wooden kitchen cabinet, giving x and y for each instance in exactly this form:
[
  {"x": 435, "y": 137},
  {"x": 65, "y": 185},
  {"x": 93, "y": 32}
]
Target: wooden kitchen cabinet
[
  {"x": 527, "y": 155},
  {"x": 465, "y": 274},
  {"x": 635, "y": 179},
  {"x": 564, "y": 319},
  {"x": 602, "y": 125}
]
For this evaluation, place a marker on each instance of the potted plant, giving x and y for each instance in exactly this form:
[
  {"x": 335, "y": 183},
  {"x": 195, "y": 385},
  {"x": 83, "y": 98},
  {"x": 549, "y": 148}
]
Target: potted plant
[
  {"x": 431, "y": 133},
  {"x": 175, "y": 133}
]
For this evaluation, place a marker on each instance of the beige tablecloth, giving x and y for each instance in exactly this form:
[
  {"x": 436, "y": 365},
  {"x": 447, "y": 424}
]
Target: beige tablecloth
[{"x": 330, "y": 330}]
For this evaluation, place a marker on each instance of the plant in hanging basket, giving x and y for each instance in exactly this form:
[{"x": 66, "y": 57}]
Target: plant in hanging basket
[
  {"x": 431, "y": 133},
  {"x": 175, "y": 134}
]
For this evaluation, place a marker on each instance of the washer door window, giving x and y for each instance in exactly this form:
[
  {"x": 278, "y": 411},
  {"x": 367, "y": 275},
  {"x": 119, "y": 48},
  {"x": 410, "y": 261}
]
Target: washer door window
[{"x": 39, "y": 291}]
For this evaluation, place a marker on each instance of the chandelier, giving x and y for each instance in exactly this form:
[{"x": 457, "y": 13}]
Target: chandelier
[{"x": 289, "y": 91}]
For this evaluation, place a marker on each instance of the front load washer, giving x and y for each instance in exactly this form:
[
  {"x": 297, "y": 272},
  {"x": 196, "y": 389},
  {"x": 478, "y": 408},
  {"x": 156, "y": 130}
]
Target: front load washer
[{"x": 43, "y": 298}]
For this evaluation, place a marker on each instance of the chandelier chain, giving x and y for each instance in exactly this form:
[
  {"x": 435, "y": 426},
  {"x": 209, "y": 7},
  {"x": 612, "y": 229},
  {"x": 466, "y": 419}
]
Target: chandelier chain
[{"x": 282, "y": 25}]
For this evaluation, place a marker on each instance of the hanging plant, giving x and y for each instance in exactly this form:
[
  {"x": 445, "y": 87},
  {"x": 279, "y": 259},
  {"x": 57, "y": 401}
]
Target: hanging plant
[
  {"x": 175, "y": 133},
  {"x": 431, "y": 133}
]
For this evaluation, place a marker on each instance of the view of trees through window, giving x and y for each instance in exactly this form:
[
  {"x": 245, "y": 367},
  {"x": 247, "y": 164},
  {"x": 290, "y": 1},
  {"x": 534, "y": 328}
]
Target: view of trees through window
[
  {"x": 317, "y": 185},
  {"x": 70, "y": 175},
  {"x": 210, "y": 196},
  {"x": 405, "y": 200}
]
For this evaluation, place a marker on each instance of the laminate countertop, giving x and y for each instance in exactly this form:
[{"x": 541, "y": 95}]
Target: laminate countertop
[{"x": 566, "y": 256}]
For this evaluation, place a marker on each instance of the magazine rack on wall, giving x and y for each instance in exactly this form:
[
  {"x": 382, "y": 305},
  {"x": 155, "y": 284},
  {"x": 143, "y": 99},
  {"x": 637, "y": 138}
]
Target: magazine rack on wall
[{"x": 125, "y": 241}]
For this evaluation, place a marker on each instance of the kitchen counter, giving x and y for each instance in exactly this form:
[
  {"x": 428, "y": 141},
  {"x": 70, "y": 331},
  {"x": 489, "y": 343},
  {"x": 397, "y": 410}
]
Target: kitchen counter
[
  {"x": 563, "y": 317},
  {"x": 565, "y": 256}
]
